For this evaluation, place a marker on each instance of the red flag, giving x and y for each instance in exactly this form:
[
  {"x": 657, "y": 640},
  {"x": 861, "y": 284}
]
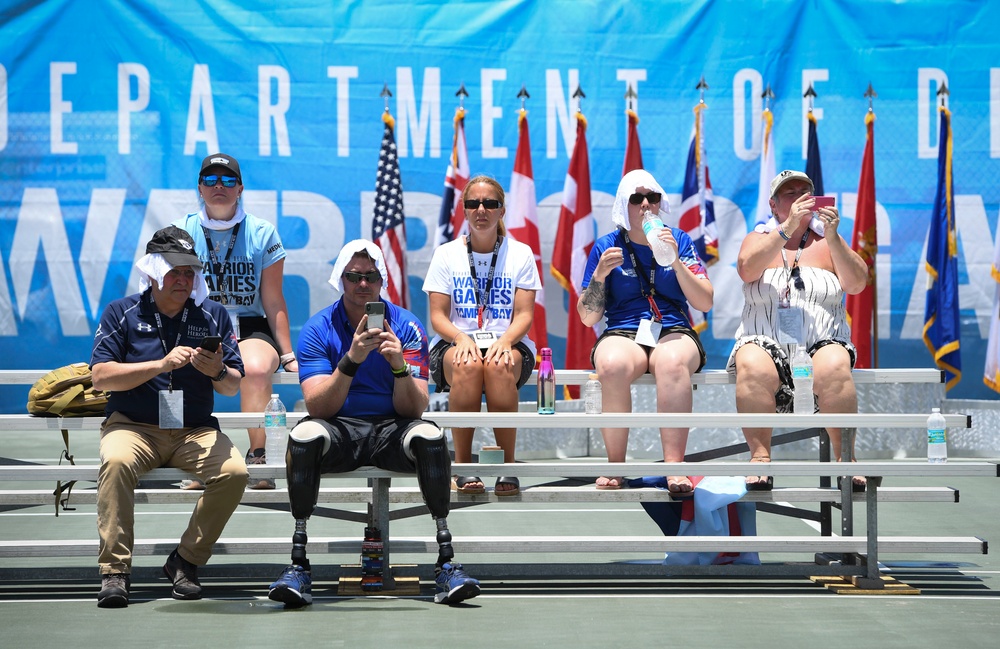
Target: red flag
[
  {"x": 633, "y": 152},
  {"x": 522, "y": 221},
  {"x": 574, "y": 239},
  {"x": 860, "y": 307},
  {"x": 389, "y": 220},
  {"x": 451, "y": 220}
]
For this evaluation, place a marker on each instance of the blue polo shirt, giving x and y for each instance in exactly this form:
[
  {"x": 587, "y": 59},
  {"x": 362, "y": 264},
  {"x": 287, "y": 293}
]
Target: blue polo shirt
[
  {"x": 327, "y": 336},
  {"x": 128, "y": 333}
]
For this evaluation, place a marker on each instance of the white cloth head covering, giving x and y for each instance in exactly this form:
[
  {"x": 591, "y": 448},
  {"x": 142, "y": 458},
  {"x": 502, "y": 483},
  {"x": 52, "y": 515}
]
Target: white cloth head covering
[
  {"x": 153, "y": 267},
  {"x": 215, "y": 224},
  {"x": 627, "y": 186},
  {"x": 350, "y": 249}
]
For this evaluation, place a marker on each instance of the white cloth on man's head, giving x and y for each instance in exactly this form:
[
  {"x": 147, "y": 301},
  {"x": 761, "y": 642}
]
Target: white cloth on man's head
[
  {"x": 215, "y": 224},
  {"x": 350, "y": 249},
  {"x": 627, "y": 186},
  {"x": 815, "y": 224},
  {"x": 154, "y": 267}
]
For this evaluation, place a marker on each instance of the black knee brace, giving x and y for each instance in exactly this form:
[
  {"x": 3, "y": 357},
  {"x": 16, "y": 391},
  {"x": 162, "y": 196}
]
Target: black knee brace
[
  {"x": 303, "y": 473},
  {"x": 433, "y": 473}
]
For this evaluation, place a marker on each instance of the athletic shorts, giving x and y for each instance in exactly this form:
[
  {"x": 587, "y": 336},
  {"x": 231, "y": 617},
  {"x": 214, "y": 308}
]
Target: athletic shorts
[
  {"x": 367, "y": 441},
  {"x": 437, "y": 364},
  {"x": 630, "y": 334}
]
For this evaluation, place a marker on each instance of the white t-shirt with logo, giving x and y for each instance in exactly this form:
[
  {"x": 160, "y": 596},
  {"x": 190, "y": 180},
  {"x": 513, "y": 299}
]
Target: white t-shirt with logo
[{"x": 449, "y": 274}]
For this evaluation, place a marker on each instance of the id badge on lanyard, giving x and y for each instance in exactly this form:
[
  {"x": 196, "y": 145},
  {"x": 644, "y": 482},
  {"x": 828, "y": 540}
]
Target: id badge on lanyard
[
  {"x": 171, "y": 408},
  {"x": 648, "y": 333}
]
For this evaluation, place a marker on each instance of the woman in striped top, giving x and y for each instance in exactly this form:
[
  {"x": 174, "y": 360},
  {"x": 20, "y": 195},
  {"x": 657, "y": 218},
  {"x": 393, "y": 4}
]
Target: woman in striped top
[{"x": 796, "y": 269}]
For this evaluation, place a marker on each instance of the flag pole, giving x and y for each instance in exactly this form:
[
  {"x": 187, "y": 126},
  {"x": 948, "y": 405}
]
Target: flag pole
[{"x": 871, "y": 94}]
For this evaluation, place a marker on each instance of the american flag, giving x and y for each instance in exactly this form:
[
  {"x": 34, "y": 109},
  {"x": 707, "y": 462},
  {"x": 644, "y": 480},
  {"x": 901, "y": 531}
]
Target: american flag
[
  {"x": 388, "y": 219},
  {"x": 451, "y": 220}
]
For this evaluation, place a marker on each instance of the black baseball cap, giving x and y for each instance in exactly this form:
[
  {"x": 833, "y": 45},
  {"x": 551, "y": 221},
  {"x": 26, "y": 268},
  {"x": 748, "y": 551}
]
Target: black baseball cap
[
  {"x": 175, "y": 245},
  {"x": 222, "y": 160}
]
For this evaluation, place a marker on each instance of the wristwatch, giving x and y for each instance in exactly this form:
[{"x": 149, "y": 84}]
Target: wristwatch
[
  {"x": 222, "y": 374},
  {"x": 401, "y": 372}
]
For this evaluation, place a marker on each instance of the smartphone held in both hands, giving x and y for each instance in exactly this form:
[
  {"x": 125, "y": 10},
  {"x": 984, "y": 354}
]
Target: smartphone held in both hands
[
  {"x": 823, "y": 201},
  {"x": 376, "y": 315}
]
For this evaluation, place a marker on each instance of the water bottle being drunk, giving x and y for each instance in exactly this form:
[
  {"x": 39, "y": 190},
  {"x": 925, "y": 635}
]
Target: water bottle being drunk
[{"x": 663, "y": 252}]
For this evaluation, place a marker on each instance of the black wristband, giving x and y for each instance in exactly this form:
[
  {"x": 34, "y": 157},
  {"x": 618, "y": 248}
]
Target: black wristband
[
  {"x": 402, "y": 372},
  {"x": 348, "y": 367},
  {"x": 221, "y": 376}
]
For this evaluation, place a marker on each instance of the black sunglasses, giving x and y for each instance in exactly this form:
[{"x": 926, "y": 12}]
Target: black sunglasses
[
  {"x": 800, "y": 284},
  {"x": 488, "y": 203},
  {"x": 212, "y": 181},
  {"x": 652, "y": 197},
  {"x": 355, "y": 278}
]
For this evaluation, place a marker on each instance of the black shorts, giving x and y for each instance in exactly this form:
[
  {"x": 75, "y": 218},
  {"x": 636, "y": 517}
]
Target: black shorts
[
  {"x": 367, "y": 441},
  {"x": 437, "y": 364},
  {"x": 257, "y": 327},
  {"x": 631, "y": 333}
]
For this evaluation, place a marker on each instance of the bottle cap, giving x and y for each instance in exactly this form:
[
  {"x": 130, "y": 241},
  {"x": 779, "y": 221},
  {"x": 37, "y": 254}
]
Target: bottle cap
[
  {"x": 593, "y": 376},
  {"x": 274, "y": 396}
]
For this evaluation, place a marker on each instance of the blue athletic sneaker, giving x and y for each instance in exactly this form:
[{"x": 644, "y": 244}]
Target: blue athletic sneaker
[
  {"x": 293, "y": 587},
  {"x": 454, "y": 585}
]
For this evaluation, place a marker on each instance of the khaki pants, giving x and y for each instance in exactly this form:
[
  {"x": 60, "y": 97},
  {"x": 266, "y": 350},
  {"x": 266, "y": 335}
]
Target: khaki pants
[{"x": 130, "y": 449}]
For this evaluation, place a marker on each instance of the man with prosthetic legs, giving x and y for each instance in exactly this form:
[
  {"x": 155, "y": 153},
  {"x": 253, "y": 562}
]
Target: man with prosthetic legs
[{"x": 365, "y": 389}]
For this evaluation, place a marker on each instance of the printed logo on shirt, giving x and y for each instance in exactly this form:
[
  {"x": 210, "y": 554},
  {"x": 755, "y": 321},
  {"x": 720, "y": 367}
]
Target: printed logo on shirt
[{"x": 143, "y": 327}]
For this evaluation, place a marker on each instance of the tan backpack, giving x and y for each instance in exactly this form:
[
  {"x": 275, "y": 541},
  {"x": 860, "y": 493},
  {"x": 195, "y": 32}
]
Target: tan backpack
[{"x": 67, "y": 392}]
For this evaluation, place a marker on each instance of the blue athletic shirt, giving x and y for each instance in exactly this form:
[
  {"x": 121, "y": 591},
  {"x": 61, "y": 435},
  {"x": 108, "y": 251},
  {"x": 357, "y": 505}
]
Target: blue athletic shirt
[
  {"x": 257, "y": 247},
  {"x": 624, "y": 304},
  {"x": 128, "y": 334},
  {"x": 326, "y": 338}
]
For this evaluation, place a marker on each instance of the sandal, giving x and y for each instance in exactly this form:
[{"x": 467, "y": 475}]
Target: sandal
[
  {"x": 856, "y": 486},
  {"x": 462, "y": 485},
  {"x": 676, "y": 492},
  {"x": 610, "y": 484},
  {"x": 767, "y": 484},
  {"x": 503, "y": 493}
]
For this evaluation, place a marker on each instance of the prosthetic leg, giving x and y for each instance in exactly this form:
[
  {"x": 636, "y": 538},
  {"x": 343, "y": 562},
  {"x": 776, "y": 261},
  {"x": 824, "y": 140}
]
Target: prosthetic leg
[
  {"x": 426, "y": 446},
  {"x": 303, "y": 473}
]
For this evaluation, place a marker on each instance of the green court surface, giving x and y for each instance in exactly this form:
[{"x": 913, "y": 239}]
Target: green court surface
[{"x": 51, "y": 602}]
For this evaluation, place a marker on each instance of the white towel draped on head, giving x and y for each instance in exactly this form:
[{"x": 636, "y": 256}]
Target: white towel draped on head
[
  {"x": 815, "y": 224},
  {"x": 215, "y": 224},
  {"x": 347, "y": 252},
  {"x": 155, "y": 267},
  {"x": 627, "y": 187}
]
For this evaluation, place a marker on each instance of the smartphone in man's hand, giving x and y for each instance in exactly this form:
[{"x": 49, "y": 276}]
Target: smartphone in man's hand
[
  {"x": 211, "y": 343},
  {"x": 376, "y": 315}
]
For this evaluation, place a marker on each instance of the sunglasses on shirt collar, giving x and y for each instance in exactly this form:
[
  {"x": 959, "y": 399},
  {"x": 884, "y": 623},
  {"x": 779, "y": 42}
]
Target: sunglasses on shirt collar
[
  {"x": 488, "y": 203},
  {"x": 652, "y": 197},
  {"x": 212, "y": 181},
  {"x": 371, "y": 277},
  {"x": 800, "y": 284}
]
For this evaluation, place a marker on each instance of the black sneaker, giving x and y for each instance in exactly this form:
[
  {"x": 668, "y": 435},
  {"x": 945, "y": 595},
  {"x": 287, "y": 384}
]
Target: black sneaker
[
  {"x": 184, "y": 575},
  {"x": 114, "y": 590}
]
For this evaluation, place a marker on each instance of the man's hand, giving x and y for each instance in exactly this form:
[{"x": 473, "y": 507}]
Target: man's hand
[
  {"x": 177, "y": 358},
  {"x": 206, "y": 362},
  {"x": 391, "y": 349},
  {"x": 364, "y": 341}
]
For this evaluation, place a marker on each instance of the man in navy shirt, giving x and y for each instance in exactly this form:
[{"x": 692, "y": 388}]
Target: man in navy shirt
[
  {"x": 154, "y": 352},
  {"x": 365, "y": 389}
]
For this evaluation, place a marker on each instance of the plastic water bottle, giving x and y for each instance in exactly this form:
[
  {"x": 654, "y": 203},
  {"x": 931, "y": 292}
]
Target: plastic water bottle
[
  {"x": 275, "y": 431},
  {"x": 663, "y": 252},
  {"x": 592, "y": 396},
  {"x": 802, "y": 377},
  {"x": 937, "y": 441},
  {"x": 372, "y": 553},
  {"x": 546, "y": 384}
]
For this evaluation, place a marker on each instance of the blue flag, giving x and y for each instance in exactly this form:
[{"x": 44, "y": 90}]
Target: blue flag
[
  {"x": 941, "y": 327},
  {"x": 814, "y": 168}
]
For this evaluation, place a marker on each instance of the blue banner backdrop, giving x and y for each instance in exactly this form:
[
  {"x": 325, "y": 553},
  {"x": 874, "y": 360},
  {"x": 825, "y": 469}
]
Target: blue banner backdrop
[{"x": 106, "y": 109}]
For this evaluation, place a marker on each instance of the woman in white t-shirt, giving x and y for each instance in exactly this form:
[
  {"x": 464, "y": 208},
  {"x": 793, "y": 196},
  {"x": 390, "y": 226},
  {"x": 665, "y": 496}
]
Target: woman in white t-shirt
[{"x": 481, "y": 289}]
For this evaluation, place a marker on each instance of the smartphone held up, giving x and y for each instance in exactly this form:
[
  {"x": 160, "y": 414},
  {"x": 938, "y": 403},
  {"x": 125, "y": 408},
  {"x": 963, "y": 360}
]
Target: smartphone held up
[{"x": 376, "y": 315}]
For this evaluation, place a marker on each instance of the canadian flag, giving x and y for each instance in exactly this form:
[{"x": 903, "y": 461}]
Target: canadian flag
[{"x": 522, "y": 221}]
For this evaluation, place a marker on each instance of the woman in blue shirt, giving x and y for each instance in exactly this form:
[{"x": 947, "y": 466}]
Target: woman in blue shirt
[{"x": 648, "y": 327}]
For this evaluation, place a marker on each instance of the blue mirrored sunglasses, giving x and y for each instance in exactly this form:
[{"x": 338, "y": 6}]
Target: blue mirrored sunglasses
[{"x": 212, "y": 181}]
